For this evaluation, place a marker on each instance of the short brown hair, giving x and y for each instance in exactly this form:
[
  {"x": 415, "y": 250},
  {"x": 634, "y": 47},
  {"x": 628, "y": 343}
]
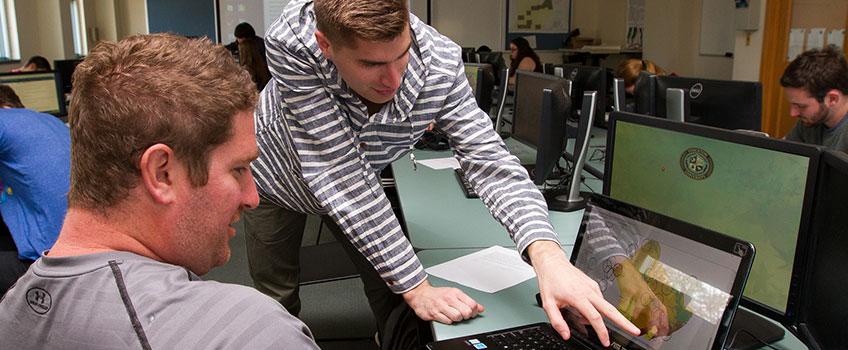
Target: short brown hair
[
  {"x": 343, "y": 20},
  {"x": 818, "y": 71},
  {"x": 8, "y": 97},
  {"x": 629, "y": 70},
  {"x": 144, "y": 90}
]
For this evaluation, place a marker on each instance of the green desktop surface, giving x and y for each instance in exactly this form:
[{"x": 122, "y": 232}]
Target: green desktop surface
[
  {"x": 510, "y": 307},
  {"x": 438, "y": 215}
]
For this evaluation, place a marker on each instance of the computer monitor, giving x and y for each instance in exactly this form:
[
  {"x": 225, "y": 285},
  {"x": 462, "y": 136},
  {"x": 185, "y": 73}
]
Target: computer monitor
[
  {"x": 619, "y": 99},
  {"x": 468, "y": 55},
  {"x": 496, "y": 60},
  {"x": 482, "y": 81},
  {"x": 821, "y": 314},
  {"x": 540, "y": 112},
  {"x": 721, "y": 103},
  {"x": 38, "y": 91},
  {"x": 64, "y": 71},
  {"x": 645, "y": 93},
  {"x": 754, "y": 188},
  {"x": 588, "y": 78}
]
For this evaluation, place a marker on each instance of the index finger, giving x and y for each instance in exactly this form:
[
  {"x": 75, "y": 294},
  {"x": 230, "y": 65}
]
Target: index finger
[
  {"x": 587, "y": 309},
  {"x": 610, "y": 312}
]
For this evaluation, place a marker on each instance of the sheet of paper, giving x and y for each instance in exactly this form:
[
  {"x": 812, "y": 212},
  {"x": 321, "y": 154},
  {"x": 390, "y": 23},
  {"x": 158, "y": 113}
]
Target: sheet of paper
[
  {"x": 796, "y": 43},
  {"x": 836, "y": 37},
  {"x": 440, "y": 163},
  {"x": 489, "y": 270},
  {"x": 815, "y": 38}
]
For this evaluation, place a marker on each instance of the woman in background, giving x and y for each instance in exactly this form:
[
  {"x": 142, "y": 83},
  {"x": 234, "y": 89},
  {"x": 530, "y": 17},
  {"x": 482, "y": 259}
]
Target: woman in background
[
  {"x": 252, "y": 59},
  {"x": 522, "y": 57},
  {"x": 629, "y": 70}
]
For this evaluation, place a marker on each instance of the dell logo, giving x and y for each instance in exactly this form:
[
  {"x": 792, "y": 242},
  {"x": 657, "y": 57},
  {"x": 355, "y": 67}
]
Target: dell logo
[
  {"x": 573, "y": 74},
  {"x": 696, "y": 90}
]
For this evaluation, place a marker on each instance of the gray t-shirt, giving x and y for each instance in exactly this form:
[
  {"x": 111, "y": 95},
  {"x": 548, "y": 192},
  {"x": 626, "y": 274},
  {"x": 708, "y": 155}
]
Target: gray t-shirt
[
  {"x": 835, "y": 138},
  {"x": 120, "y": 300}
]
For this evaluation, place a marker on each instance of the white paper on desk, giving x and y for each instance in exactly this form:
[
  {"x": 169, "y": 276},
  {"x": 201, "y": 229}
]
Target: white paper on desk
[
  {"x": 489, "y": 270},
  {"x": 440, "y": 163}
]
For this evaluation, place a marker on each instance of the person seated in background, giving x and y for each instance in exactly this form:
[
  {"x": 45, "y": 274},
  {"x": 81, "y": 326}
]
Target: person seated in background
[
  {"x": 244, "y": 31},
  {"x": 253, "y": 59},
  {"x": 522, "y": 57},
  {"x": 629, "y": 69},
  {"x": 35, "y": 64},
  {"x": 34, "y": 165},
  {"x": 162, "y": 140},
  {"x": 816, "y": 86}
]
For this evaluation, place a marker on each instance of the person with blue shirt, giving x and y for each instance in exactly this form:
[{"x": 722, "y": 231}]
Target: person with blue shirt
[{"x": 35, "y": 171}]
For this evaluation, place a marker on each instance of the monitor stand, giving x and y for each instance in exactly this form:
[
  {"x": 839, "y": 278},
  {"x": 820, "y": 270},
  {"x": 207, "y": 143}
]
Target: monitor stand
[
  {"x": 745, "y": 323},
  {"x": 557, "y": 200}
]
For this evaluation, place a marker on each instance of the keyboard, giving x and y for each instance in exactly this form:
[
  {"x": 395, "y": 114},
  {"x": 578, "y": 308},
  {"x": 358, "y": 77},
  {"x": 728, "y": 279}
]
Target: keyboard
[
  {"x": 539, "y": 336},
  {"x": 464, "y": 184}
]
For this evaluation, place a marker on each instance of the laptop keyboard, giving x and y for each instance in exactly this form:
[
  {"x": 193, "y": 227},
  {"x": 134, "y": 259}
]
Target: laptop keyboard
[
  {"x": 466, "y": 187},
  {"x": 529, "y": 338}
]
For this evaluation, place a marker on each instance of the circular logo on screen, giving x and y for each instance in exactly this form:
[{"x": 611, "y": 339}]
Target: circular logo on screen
[
  {"x": 39, "y": 300},
  {"x": 696, "y": 163},
  {"x": 696, "y": 90},
  {"x": 574, "y": 74}
]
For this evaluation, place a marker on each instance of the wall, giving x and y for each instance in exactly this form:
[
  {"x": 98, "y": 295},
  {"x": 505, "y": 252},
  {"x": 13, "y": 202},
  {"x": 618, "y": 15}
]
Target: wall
[
  {"x": 131, "y": 17},
  {"x": 747, "y": 53},
  {"x": 671, "y": 39}
]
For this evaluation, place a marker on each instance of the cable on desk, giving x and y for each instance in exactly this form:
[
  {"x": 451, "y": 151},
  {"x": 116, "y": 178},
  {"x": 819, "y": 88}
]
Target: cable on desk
[{"x": 733, "y": 340}]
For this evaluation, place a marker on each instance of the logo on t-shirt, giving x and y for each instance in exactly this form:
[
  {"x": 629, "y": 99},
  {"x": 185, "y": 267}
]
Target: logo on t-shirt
[{"x": 39, "y": 300}]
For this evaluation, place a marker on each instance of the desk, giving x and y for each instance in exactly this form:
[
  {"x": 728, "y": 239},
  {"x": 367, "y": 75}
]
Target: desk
[
  {"x": 510, "y": 307},
  {"x": 439, "y": 216}
]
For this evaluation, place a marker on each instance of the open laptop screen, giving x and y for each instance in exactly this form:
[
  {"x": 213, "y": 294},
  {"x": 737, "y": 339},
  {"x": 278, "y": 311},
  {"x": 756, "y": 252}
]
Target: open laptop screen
[{"x": 677, "y": 282}]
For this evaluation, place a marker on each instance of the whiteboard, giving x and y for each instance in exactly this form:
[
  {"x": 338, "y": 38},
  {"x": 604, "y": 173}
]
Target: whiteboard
[
  {"x": 717, "y": 27},
  {"x": 259, "y": 13}
]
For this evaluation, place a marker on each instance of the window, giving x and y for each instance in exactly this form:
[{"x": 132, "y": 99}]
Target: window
[
  {"x": 9, "y": 49},
  {"x": 78, "y": 23}
]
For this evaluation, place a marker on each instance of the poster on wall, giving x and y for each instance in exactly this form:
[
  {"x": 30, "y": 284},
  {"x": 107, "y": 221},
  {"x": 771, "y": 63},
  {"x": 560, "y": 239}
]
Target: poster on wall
[
  {"x": 635, "y": 24},
  {"x": 539, "y": 16}
]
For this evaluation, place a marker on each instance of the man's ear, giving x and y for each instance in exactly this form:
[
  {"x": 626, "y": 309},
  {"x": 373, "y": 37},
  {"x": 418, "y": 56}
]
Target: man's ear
[
  {"x": 158, "y": 167},
  {"x": 324, "y": 44},
  {"x": 833, "y": 97}
]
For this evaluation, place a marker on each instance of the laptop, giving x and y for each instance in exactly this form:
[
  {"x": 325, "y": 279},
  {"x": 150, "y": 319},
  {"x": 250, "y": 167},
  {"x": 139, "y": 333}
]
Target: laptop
[{"x": 679, "y": 283}]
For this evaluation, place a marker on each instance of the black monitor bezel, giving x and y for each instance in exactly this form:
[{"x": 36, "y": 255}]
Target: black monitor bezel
[
  {"x": 830, "y": 160},
  {"x": 645, "y": 93},
  {"x": 516, "y": 99},
  {"x": 689, "y": 231},
  {"x": 686, "y": 83},
  {"x": 60, "y": 96},
  {"x": 577, "y": 94},
  {"x": 810, "y": 151},
  {"x": 481, "y": 81}
]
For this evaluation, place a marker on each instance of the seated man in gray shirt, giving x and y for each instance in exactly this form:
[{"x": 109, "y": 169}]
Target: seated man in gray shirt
[
  {"x": 816, "y": 86},
  {"x": 161, "y": 142}
]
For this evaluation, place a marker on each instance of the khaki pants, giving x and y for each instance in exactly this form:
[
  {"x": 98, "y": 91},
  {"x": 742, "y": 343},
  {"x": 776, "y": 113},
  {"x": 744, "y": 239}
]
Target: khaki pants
[{"x": 273, "y": 237}]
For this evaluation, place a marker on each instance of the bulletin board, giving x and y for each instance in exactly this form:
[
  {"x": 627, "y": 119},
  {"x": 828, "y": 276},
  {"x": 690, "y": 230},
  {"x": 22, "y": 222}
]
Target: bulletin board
[{"x": 544, "y": 22}]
